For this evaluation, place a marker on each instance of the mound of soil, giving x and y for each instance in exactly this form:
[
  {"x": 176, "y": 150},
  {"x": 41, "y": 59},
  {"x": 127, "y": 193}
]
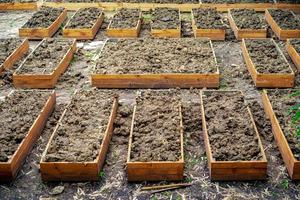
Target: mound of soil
[
  {"x": 7, "y": 47},
  {"x": 208, "y": 19},
  {"x": 248, "y": 19},
  {"x": 45, "y": 58},
  {"x": 266, "y": 57},
  {"x": 165, "y": 18},
  {"x": 156, "y": 132},
  {"x": 84, "y": 18},
  {"x": 296, "y": 44},
  {"x": 125, "y": 18},
  {"x": 18, "y": 113},
  {"x": 237, "y": 1},
  {"x": 231, "y": 134},
  {"x": 156, "y": 56},
  {"x": 43, "y": 18},
  {"x": 285, "y": 19},
  {"x": 82, "y": 128},
  {"x": 282, "y": 104}
]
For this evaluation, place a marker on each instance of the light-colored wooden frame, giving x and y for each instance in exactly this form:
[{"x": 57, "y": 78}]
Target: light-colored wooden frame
[
  {"x": 44, "y": 80},
  {"x": 40, "y": 33},
  {"x": 295, "y": 56},
  {"x": 233, "y": 170},
  {"x": 9, "y": 169},
  {"x": 292, "y": 165},
  {"x": 78, "y": 171},
  {"x": 271, "y": 80},
  {"x": 245, "y": 33},
  {"x": 289, "y": 6},
  {"x": 223, "y": 7},
  {"x": 83, "y": 33},
  {"x": 19, "y": 6}
]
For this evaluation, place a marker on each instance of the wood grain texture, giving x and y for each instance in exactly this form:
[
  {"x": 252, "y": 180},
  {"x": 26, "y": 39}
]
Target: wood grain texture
[
  {"x": 295, "y": 56},
  {"x": 19, "y": 6}
]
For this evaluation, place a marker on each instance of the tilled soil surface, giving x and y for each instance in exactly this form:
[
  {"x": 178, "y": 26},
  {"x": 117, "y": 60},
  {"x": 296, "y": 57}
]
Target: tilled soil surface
[
  {"x": 81, "y": 130},
  {"x": 208, "y": 19},
  {"x": 125, "y": 18},
  {"x": 285, "y": 19},
  {"x": 231, "y": 134},
  {"x": 266, "y": 58},
  {"x": 45, "y": 58},
  {"x": 7, "y": 47},
  {"x": 296, "y": 44},
  {"x": 84, "y": 18},
  {"x": 43, "y": 18},
  {"x": 165, "y": 18},
  {"x": 237, "y": 1},
  {"x": 282, "y": 104},
  {"x": 156, "y": 56},
  {"x": 156, "y": 131},
  {"x": 18, "y": 112},
  {"x": 247, "y": 19}
]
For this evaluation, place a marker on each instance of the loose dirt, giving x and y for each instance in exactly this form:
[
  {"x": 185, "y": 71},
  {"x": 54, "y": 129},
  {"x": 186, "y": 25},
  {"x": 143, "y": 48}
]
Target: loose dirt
[
  {"x": 248, "y": 19},
  {"x": 266, "y": 57},
  {"x": 18, "y": 112},
  {"x": 125, "y": 18},
  {"x": 156, "y": 132},
  {"x": 232, "y": 136},
  {"x": 237, "y": 1},
  {"x": 208, "y": 19},
  {"x": 7, "y": 47},
  {"x": 165, "y": 18},
  {"x": 285, "y": 19},
  {"x": 82, "y": 128},
  {"x": 296, "y": 44}
]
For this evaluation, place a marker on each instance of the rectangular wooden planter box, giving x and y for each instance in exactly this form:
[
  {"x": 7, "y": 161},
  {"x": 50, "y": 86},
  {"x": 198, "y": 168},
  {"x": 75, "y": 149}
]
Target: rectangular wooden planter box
[
  {"x": 155, "y": 170},
  {"x": 275, "y": 80},
  {"x": 282, "y": 34},
  {"x": 292, "y": 165},
  {"x": 9, "y": 169},
  {"x": 85, "y": 33},
  {"x": 78, "y": 171},
  {"x": 293, "y": 54},
  {"x": 233, "y": 170},
  {"x": 19, "y": 6},
  {"x": 44, "y": 80},
  {"x": 40, "y": 33},
  {"x": 245, "y": 33}
]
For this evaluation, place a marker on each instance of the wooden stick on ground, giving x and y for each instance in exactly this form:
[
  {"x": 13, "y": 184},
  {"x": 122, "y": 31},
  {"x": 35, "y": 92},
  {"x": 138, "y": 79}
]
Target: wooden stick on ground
[{"x": 170, "y": 186}]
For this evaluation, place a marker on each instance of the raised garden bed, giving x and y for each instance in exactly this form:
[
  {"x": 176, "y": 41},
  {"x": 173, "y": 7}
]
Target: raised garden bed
[
  {"x": 156, "y": 63},
  {"x": 293, "y": 49},
  {"x": 18, "y": 5},
  {"x": 44, "y": 65},
  {"x": 44, "y": 23},
  {"x": 284, "y": 23},
  {"x": 166, "y": 23},
  {"x": 247, "y": 23},
  {"x": 233, "y": 146},
  {"x": 207, "y": 23},
  {"x": 23, "y": 116},
  {"x": 126, "y": 23},
  {"x": 155, "y": 150},
  {"x": 267, "y": 64},
  {"x": 77, "y": 148},
  {"x": 84, "y": 24},
  {"x": 278, "y": 105}
]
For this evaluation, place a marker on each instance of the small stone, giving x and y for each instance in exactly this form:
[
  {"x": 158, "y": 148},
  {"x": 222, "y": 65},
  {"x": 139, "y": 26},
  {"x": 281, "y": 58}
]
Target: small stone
[{"x": 57, "y": 190}]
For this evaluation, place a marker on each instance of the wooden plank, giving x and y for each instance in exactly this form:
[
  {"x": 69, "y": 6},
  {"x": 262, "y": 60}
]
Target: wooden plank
[
  {"x": 9, "y": 170},
  {"x": 19, "y": 6},
  {"x": 295, "y": 56},
  {"x": 223, "y": 7},
  {"x": 288, "y": 6}
]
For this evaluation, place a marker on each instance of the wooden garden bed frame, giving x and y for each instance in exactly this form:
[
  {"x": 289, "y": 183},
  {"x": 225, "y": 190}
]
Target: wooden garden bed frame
[
  {"x": 78, "y": 171},
  {"x": 223, "y": 7},
  {"x": 44, "y": 80},
  {"x": 291, "y": 163},
  {"x": 295, "y": 56},
  {"x": 9, "y": 169},
  {"x": 233, "y": 170},
  {"x": 19, "y": 6},
  {"x": 268, "y": 80}
]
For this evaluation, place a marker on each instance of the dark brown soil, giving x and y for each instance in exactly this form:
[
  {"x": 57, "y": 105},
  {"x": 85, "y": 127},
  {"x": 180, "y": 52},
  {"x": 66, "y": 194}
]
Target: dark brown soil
[
  {"x": 45, "y": 58},
  {"x": 165, "y": 18},
  {"x": 296, "y": 44},
  {"x": 43, "y": 18},
  {"x": 282, "y": 105},
  {"x": 156, "y": 56},
  {"x": 285, "y": 19},
  {"x": 125, "y": 18},
  {"x": 18, "y": 113},
  {"x": 84, "y": 18},
  {"x": 266, "y": 57},
  {"x": 208, "y": 19},
  {"x": 7, "y": 47},
  {"x": 82, "y": 128},
  {"x": 156, "y": 132},
  {"x": 248, "y": 19},
  {"x": 237, "y": 1},
  {"x": 231, "y": 134}
]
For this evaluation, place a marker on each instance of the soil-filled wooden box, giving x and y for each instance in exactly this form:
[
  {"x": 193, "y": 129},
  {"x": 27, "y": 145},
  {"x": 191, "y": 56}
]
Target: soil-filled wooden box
[
  {"x": 19, "y": 6},
  {"x": 272, "y": 72},
  {"x": 31, "y": 110},
  {"x": 84, "y": 33},
  {"x": 147, "y": 159},
  {"x": 287, "y": 32},
  {"x": 292, "y": 51},
  {"x": 43, "y": 67},
  {"x": 233, "y": 146},
  {"x": 76, "y": 152},
  {"x": 291, "y": 162}
]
